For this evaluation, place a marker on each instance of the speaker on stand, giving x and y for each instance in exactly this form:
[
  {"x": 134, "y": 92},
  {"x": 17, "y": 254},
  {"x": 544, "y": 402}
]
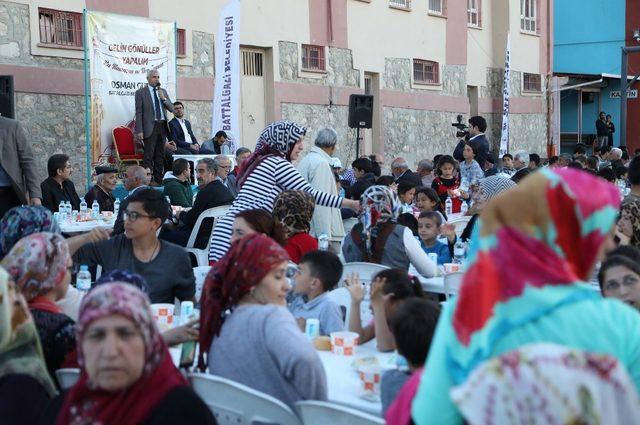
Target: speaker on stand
[
  {"x": 7, "y": 105},
  {"x": 360, "y": 114}
]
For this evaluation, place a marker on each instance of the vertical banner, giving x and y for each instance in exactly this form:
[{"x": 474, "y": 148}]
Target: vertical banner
[
  {"x": 120, "y": 50},
  {"x": 226, "y": 99},
  {"x": 506, "y": 93}
]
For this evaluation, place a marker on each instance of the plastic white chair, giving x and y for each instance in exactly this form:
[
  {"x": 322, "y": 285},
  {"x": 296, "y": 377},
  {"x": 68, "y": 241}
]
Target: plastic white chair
[
  {"x": 67, "y": 377},
  {"x": 202, "y": 255},
  {"x": 366, "y": 271},
  {"x": 460, "y": 223},
  {"x": 236, "y": 404},
  {"x": 200, "y": 273},
  {"x": 452, "y": 283},
  {"x": 322, "y": 413}
]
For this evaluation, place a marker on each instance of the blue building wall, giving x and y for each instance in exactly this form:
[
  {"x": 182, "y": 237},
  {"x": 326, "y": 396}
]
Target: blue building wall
[{"x": 588, "y": 35}]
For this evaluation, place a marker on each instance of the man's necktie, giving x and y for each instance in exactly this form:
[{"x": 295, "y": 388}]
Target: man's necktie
[{"x": 156, "y": 102}]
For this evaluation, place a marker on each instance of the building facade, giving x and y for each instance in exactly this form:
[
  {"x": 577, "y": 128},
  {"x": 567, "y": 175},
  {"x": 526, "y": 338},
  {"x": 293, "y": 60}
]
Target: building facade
[
  {"x": 425, "y": 62},
  {"x": 587, "y": 61}
]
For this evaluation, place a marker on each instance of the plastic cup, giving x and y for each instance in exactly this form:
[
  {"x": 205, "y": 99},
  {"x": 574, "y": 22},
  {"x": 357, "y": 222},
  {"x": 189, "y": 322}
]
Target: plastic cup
[
  {"x": 344, "y": 343},
  {"x": 370, "y": 377},
  {"x": 452, "y": 268},
  {"x": 163, "y": 315}
]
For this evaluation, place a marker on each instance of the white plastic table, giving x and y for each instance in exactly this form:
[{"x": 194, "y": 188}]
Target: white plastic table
[{"x": 343, "y": 382}]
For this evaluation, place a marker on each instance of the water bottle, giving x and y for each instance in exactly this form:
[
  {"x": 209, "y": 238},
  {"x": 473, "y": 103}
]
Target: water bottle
[
  {"x": 69, "y": 209},
  {"x": 448, "y": 206},
  {"x": 95, "y": 210},
  {"x": 83, "y": 279},
  {"x": 62, "y": 208},
  {"x": 458, "y": 252},
  {"x": 323, "y": 242},
  {"x": 83, "y": 206},
  {"x": 116, "y": 207},
  {"x": 464, "y": 208}
]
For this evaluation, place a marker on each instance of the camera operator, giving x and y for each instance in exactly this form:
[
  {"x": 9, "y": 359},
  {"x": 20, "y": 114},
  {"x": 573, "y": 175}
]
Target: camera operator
[{"x": 477, "y": 127}]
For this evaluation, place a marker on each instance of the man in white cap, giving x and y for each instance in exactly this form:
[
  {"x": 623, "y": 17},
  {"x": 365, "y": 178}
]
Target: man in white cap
[{"x": 316, "y": 168}]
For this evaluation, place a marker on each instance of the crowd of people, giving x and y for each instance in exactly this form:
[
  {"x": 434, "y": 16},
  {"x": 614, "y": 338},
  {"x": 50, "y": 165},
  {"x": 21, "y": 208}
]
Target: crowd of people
[{"x": 538, "y": 233}]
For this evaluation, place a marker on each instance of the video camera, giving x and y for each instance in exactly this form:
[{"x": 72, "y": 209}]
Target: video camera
[{"x": 463, "y": 129}]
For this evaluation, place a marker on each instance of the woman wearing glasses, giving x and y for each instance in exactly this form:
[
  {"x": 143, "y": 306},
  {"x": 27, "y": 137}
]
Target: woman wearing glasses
[{"x": 140, "y": 251}]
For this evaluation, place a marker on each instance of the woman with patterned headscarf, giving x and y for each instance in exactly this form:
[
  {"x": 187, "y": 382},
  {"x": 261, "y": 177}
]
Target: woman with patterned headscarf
[
  {"x": 266, "y": 173},
  {"x": 127, "y": 376},
  {"x": 22, "y": 221},
  {"x": 629, "y": 223},
  {"x": 531, "y": 253},
  {"x": 378, "y": 238},
  {"x": 40, "y": 266},
  {"x": 247, "y": 330},
  {"x": 25, "y": 386},
  {"x": 294, "y": 209}
]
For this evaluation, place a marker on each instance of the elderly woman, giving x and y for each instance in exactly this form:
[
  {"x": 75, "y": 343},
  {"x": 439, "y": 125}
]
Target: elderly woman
[
  {"x": 266, "y": 173},
  {"x": 531, "y": 253},
  {"x": 127, "y": 375},
  {"x": 378, "y": 238},
  {"x": 272, "y": 355},
  {"x": 25, "y": 385},
  {"x": 40, "y": 264},
  {"x": 294, "y": 209}
]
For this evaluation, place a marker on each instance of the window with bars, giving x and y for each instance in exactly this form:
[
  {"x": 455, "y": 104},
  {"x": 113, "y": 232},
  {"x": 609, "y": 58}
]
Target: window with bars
[
  {"x": 436, "y": 6},
  {"x": 531, "y": 83},
  {"x": 473, "y": 13},
  {"x": 182, "y": 43},
  {"x": 528, "y": 13},
  {"x": 425, "y": 72},
  {"x": 251, "y": 63},
  {"x": 59, "y": 28},
  {"x": 313, "y": 58},
  {"x": 400, "y": 3}
]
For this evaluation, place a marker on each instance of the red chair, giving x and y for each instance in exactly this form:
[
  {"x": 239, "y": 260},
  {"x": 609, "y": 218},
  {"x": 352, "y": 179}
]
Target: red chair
[{"x": 125, "y": 147}]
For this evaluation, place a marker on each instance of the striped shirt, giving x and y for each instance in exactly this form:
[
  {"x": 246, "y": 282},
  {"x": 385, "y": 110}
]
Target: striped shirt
[{"x": 260, "y": 190}]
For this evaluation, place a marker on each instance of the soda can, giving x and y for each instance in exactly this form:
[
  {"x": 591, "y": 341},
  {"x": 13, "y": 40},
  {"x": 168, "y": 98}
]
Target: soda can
[
  {"x": 433, "y": 257},
  {"x": 312, "y": 328}
]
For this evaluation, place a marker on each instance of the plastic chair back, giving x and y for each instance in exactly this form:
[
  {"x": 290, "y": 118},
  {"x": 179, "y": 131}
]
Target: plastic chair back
[
  {"x": 200, "y": 273},
  {"x": 67, "y": 377},
  {"x": 460, "y": 224},
  {"x": 321, "y": 413},
  {"x": 366, "y": 271},
  {"x": 452, "y": 283},
  {"x": 236, "y": 404},
  {"x": 202, "y": 255}
]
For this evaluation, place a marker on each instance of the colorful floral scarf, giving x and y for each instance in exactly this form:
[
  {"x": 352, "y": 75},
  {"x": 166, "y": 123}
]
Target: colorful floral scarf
[
  {"x": 20, "y": 351},
  {"x": 631, "y": 211},
  {"x": 231, "y": 278},
  {"x": 294, "y": 209},
  {"x": 547, "y": 232},
  {"x": 277, "y": 139},
  {"x": 379, "y": 205},
  {"x": 22, "y": 221},
  {"x": 38, "y": 263},
  {"x": 87, "y": 403}
]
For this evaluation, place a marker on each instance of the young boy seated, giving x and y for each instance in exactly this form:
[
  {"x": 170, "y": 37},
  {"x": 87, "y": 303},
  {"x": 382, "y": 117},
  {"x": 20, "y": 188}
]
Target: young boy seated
[
  {"x": 318, "y": 273},
  {"x": 412, "y": 325},
  {"x": 507, "y": 164},
  {"x": 429, "y": 229}
]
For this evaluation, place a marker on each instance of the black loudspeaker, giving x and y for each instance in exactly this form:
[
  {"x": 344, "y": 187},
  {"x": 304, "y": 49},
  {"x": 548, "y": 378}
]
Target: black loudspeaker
[
  {"x": 360, "y": 110},
  {"x": 7, "y": 106}
]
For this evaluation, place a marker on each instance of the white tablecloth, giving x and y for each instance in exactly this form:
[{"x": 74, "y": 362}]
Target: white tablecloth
[
  {"x": 343, "y": 383},
  {"x": 85, "y": 226}
]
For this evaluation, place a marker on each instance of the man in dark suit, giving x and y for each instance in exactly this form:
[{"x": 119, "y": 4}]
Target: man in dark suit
[
  {"x": 182, "y": 134},
  {"x": 58, "y": 186},
  {"x": 152, "y": 102},
  {"x": 477, "y": 139},
  {"x": 402, "y": 173},
  {"x": 19, "y": 177},
  {"x": 212, "y": 193}
]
